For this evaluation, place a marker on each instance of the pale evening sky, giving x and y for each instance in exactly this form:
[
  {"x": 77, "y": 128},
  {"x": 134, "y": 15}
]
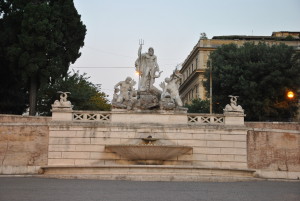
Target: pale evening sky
[{"x": 171, "y": 27}]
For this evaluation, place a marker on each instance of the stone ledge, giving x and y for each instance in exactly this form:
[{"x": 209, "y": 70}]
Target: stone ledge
[
  {"x": 139, "y": 177},
  {"x": 133, "y": 125},
  {"x": 274, "y": 130},
  {"x": 163, "y": 112},
  {"x": 142, "y": 177},
  {"x": 277, "y": 175},
  {"x": 146, "y": 170},
  {"x": 24, "y": 124},
  {"x": 15, "y": 170},
  {"x": 148, "y": 166},
  {"x": 149, "y": 173}
]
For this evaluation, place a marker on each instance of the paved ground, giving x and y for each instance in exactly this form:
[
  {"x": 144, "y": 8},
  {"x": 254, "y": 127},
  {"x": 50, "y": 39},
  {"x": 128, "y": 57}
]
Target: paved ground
[{"x": 37, "y": 189}]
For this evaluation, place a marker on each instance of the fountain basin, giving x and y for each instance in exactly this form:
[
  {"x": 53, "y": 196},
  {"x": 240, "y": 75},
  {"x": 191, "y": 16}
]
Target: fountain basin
[{"x": 144, "y": 152}]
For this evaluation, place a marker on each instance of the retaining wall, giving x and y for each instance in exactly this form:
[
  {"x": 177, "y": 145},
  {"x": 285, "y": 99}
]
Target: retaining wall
[
  {"x": 274, "y": 146},
  {"x": 23, "y": 143}
]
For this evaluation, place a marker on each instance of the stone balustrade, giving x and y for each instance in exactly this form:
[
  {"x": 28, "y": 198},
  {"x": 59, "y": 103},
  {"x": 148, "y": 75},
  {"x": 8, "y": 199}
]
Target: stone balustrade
[
  {"x": 206, "y": 118},
  {"x": 143, "y": 117},
  {"x": 101, "y": 116}
]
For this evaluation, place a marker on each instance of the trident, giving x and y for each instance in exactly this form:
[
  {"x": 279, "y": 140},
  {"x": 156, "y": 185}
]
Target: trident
[{"x": 141, "y": 42}]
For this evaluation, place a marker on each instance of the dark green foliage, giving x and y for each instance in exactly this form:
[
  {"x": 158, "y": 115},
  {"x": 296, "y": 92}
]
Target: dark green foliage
[
  {"x": 290, "y": 38},
  {"x": 260, "y": 75},
  {"x": 198, "y": 106},
  {"x": 39, "y": 40},
  {"x": 84, "y": 94},
  {"x": 13, "y": 96}
]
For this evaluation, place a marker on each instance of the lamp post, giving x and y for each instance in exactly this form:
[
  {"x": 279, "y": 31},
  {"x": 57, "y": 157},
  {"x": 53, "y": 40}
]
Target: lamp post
[{"x": 210, "y": 86}]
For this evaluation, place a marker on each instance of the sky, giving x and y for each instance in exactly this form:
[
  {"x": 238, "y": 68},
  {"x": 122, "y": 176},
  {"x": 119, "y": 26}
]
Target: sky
[{"x": 171, "y": 27}]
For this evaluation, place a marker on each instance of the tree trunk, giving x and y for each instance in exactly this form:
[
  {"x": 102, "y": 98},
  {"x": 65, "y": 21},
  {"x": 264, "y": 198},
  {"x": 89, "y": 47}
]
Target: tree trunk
[{"x": 32, "y": 95}]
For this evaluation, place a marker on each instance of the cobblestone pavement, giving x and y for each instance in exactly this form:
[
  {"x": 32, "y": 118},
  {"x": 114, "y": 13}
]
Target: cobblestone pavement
[{"x": 41, "y": 189}]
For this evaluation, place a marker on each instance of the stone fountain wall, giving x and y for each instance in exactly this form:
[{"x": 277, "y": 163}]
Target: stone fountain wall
[
  {"x": 270, "y": 146},
  {"x": 79, "y": 139}
]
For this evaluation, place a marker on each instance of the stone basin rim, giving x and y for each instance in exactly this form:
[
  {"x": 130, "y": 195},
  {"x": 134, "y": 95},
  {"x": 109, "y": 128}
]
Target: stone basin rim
[
  {"x": 148, "y": 153},
  {"x": 146, "y": 145}
]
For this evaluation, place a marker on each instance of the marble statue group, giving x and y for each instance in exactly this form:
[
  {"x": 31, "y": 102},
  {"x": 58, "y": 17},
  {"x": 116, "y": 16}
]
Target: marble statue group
[{"x": 147, "y": 96}]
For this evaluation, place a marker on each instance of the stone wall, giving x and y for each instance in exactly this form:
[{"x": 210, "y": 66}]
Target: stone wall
[
  {"x": 23, "y": 142},
  {"x": 83, "y": 143},
  {"x": 274, "y": 146}
]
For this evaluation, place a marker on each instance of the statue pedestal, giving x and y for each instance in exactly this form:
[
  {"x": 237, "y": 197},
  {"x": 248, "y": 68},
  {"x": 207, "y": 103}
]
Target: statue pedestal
[
  {"x": 234, "y": 118},
  {"x": 148, "y": 116},
  {"x": 62, "y": 114},
  {"x": 147, "y": 101}
]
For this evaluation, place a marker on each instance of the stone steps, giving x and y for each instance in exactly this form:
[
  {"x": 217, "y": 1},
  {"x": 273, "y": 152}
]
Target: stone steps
[{"x": 148, "y": 173}]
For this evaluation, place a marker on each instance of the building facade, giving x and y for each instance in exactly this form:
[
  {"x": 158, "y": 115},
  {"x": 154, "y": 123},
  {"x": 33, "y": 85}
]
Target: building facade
[{"x": 195, "y": 64}]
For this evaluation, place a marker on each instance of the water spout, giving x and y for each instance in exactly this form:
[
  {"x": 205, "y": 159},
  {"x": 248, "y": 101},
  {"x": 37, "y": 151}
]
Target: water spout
[{"x": 149, "y": 140}]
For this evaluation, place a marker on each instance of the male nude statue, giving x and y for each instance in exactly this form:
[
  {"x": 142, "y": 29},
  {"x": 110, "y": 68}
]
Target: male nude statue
[{"x": 146, "y": 65}]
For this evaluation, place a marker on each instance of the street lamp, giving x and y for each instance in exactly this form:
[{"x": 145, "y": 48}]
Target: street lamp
[
  {"x": 290, "y": 94},
  {"x": 294, "y": 96},
  {"x": 137, "y": 73}
]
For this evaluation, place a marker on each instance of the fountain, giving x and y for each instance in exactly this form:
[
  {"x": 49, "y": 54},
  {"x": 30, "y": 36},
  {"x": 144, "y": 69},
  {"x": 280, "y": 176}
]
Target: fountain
[
  {"x": 148, "y": 100},
  {"x": 145, "y": 132},
  {"x": 149, "y": 151}
]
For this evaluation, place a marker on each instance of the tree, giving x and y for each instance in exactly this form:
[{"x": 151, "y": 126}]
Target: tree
[
  {"x": 84, "y": 94},
  {"x": 13, "y": 94},
  {"x": 44, "y": 38},
  {"x": 198, "y": 106},
  {"x": 260, "y": 75}
]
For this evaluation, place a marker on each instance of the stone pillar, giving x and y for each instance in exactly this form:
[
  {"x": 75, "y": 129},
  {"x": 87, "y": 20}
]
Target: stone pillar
[
  {"x": 62, "y": 114},
  {"x": 62, "y": 109},
  {"x": 234, "y": 113},
  {"x": 234, "y": 118}
]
